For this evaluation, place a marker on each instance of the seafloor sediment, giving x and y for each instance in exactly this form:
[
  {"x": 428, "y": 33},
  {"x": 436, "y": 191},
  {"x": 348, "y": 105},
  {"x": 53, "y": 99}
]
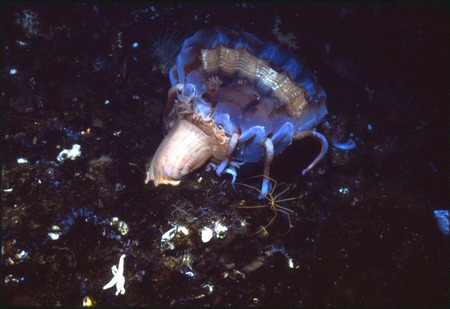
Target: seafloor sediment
[{"x": 363, "y": 229}]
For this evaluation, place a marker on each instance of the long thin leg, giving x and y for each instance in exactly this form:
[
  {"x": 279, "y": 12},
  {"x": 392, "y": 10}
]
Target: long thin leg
[{"x": 321, "y": 139}]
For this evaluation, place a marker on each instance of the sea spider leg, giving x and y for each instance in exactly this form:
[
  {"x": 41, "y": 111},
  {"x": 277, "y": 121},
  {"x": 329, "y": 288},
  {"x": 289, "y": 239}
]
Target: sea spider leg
[
  {"x": 276, "y": 207},
  {"x": 272, "y": 203}
]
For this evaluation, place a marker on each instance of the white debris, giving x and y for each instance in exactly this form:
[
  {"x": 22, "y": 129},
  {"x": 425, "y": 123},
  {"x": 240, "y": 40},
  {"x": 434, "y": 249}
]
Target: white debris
[
  {"x": 290, "y": 263},
  {"x": 69, "y": 153},
  {"x": 88, "y": 301},
  {"x": 55, "y": 233},
  {"x": 118, "y": 280},
  {"x": 207, "y": 234},
  {"x": 183, "y": 230},
  {"x": 22, "y": 161},
  {"x": 220, "y": 230},
  {"x": 209, "y": 287},
  {"x": 343, "y": 191},
  {"x": 121, "y": 226},
  {"x": 21, "y": 255},
  {"x": 170, "y": 234},
  {"x": 53, "y": 236}
]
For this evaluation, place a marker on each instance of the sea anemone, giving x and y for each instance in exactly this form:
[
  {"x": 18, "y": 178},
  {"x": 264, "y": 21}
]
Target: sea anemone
[{"x": 164, "y": 49}]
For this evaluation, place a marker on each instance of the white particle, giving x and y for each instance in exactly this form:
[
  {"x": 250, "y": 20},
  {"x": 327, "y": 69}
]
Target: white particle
[
  {"x": 183, "y": 230},
  {"x": 169, "y": 235},
  {"x": 206, "y": 234},
  {"x": 69, "y": 153},
  {"x": 220, "y": 230},
  {"x": 291, "y": 263},
  {"x": 53, "y": 236},
  {"x": 22, "y": 161},
  {"x": 190, "y": 274},
  {"x": 343, "y": 190},
  {"x": 21, "y": 255},
  {"x": 210, "y": 287}
]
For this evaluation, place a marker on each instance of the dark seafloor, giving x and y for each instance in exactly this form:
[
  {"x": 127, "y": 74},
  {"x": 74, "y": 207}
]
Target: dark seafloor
[{"x": 364, "y": 229}]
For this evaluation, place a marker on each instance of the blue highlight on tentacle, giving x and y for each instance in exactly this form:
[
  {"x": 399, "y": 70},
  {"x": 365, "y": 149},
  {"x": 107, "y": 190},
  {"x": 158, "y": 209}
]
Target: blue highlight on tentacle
[
  {"x": 314, "y": 92},
  {"x": 200, "y": 38},
  {"x": 293, "y": 67},
  {"x": 223, "y": 37},
  {"x": 240, "y": 44},
  {"x": 348, "y": 145},
  {"x": 272, "y": 53},
  {"x": 230, "y": 170},
  {"x": 253, "y": 41}
]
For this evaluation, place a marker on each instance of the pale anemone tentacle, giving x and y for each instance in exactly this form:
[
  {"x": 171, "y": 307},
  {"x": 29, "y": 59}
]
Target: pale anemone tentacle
[
  {"x": 321, "y": 139},
  {"x": 231, "y": 169},
  {"x": 228, "y": 154},
  {"x": 268, "y": 145}
]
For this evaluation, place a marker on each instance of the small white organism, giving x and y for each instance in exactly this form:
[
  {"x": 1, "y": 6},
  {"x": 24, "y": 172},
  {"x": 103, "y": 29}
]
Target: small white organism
[
  {"x": 69, "y": 153},
  {"x": 118, "y": 280}
]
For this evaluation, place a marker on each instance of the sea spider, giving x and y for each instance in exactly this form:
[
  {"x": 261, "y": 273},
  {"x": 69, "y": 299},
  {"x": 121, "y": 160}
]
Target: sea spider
[{"x": 273, "y": 202}]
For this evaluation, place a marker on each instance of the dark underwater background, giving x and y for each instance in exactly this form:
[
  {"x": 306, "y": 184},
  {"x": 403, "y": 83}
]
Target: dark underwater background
[{"x": 366, "y": 227}]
